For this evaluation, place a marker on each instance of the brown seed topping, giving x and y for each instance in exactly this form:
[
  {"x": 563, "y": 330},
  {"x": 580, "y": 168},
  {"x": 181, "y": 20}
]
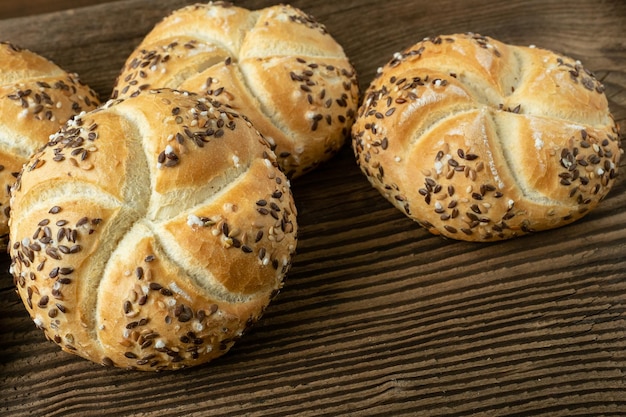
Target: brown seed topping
[{"x": 43, "y": 301}]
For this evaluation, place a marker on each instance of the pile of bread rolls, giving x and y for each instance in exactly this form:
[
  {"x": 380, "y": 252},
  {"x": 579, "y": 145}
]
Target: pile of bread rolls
[{"x": 151, "y": 231}]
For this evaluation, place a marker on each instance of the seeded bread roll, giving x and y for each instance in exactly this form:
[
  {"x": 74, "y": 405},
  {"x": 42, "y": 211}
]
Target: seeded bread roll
[
  {"x": 36, "y": 99},
  {"x": 481, "y": 141},
  {"x": 278, "y": 66},
  {"x": 161, "y": 241}
]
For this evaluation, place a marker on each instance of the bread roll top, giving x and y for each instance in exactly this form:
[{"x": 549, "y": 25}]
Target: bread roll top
[
  {"x": 277, "y": 65},
  {"x": 150, "y": 233},
  {"x": 36, "y": 98},
  {"x": 479, "y": 140}
]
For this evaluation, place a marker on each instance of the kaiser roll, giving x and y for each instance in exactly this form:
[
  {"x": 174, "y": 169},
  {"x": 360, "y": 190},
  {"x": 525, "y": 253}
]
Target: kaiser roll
[
  {"x": 36, "y": 98},
  {"x": 278, "y": 66},
  {"x": 481, "y": 141},
  {"x": 150, "y": 233}
]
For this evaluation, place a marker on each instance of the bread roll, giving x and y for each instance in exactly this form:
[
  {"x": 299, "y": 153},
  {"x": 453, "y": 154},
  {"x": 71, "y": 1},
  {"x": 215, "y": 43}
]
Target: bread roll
[
  {"x": 36, "y": 99},
  {"x": 278, "y": 66},
  {"x": 481, "y": 141},
  {"x": 152, "y": 232}
]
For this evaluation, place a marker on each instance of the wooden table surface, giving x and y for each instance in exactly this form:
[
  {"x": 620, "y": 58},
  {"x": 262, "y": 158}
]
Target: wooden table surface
[{"x": 377, "y": 317}]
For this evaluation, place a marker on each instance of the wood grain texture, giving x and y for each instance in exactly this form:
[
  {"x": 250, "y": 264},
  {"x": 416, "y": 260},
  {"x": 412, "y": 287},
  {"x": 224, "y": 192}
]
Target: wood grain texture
[
  {"x": 9, "y": 8},
  {"x": 377, "y": 317}
]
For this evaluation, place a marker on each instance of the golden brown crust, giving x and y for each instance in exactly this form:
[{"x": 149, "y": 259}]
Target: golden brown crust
[
  {"x": 278, "y": 66},
  {"x": 151, "y": 232},
  {"x": 478, "y": 140},
  {"x": 36, "y": 99}
]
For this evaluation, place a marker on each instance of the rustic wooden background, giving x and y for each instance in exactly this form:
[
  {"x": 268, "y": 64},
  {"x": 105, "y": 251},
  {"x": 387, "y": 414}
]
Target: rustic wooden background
[{"x": 377, "y": 316}]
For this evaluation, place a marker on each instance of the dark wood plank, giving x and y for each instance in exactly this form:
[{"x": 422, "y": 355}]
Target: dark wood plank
[
  {"x": 31, "y": 7},
  {"x": 377, "y": 317}
]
